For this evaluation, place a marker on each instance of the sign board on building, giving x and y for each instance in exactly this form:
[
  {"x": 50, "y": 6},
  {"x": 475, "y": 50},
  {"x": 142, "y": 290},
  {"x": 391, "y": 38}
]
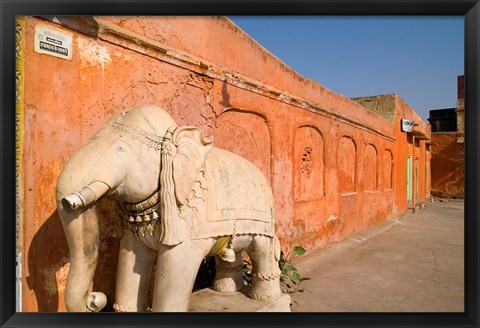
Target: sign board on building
[
  {"x": 407, "y": 125},
  {"x": 53, "y": 42}
]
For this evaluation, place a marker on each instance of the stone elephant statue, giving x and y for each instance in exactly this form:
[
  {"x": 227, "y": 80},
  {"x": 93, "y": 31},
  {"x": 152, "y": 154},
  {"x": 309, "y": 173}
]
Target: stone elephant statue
[{"x": 178, "y": 200}]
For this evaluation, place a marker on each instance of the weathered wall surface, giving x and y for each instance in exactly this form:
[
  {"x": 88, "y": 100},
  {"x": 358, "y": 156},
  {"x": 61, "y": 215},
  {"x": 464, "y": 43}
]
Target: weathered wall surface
[
  {"x": 335, "y": 167},
  {"x": 448, "y": 166}
]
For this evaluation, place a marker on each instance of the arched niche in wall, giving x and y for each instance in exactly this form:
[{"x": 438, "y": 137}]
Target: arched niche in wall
[
  {"x": 246, "y": 133},
  {"x": 388, "y": 169},
  {"x": 347, "y": 164},
  {"x": 309, "y": 164},
  {"x": 370, "y": 168}
]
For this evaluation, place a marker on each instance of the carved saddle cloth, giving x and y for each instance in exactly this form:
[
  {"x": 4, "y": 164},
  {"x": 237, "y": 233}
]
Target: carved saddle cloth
[{"x": 236, "y": 201}]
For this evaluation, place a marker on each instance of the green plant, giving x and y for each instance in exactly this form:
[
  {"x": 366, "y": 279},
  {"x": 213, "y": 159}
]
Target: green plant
[
  {"x": 247, "y": 271},
  {"x": 290, "y": 278}
]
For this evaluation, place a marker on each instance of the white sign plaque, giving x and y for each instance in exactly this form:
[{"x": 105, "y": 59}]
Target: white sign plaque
[
  {"x": 407, "y": 125},
  {"x": 53, "y": 42}
]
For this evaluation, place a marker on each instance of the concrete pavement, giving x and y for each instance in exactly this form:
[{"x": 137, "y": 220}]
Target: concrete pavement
[{"x": 411, "y": 264}]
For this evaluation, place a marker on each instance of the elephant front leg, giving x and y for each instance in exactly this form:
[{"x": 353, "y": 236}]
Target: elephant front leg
[
  {"x": 177, "y": 268},
  {"x": 135, "y": 264}
]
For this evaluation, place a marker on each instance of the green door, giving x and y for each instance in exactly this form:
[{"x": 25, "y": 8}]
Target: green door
[{"x": 409, "y": 178}]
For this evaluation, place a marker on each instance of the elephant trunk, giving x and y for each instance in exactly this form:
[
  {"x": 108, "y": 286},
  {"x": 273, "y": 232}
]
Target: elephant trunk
[
  {"x": 83, "y": 181},
  {"x": 82, "y": 234}
]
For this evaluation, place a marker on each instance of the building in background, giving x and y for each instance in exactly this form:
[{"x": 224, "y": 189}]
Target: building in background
[
  {"x": 336, "y": 165},
  {"x": 448, "y": 150}
]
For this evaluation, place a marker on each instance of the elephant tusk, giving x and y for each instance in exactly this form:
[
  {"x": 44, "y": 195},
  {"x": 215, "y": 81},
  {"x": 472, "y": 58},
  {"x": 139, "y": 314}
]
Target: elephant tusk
[
  {"x": 73, "y": 202},
  {"x": 89, "y": 194},
  {"x": 96, "y": 301}
]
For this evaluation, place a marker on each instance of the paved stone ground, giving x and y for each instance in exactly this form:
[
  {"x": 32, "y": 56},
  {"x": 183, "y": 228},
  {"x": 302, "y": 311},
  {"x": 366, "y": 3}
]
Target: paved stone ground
[{"x": 411, "y": 264}]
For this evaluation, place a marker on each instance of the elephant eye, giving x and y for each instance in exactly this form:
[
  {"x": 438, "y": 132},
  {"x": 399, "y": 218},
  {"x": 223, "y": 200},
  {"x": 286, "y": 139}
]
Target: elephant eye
[{"x": 121, "y": 148}]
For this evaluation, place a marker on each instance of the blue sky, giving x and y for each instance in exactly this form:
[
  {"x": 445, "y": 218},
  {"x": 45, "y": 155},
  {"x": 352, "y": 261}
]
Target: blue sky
[{"x": 416, "y": 57}]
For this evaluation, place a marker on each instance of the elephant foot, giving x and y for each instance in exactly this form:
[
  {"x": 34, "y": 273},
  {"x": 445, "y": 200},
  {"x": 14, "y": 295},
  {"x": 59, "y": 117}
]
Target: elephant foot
[
  {"x": 228, "y": 284},
  {"x": 262, "y": 297},
  {"x": 265, "y": 290},
  {"x": 228, "y": 276},
  {"x": 120, "y": 308}
]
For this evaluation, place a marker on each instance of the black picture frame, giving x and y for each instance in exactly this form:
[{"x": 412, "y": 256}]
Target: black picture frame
[{"x": 470, "y": 9}]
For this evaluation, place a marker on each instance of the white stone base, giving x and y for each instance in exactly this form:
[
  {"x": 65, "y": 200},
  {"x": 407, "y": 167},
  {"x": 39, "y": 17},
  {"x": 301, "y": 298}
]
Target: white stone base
[{"x": 208, "y": 300}]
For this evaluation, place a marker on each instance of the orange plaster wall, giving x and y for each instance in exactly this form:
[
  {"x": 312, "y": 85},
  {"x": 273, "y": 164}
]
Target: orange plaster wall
[
  {"x": 67, "y": 101},
  {"x": 309, "y": 222}
]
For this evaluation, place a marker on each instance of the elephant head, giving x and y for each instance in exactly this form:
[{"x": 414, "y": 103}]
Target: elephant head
[{"x": 139, "y": 153}]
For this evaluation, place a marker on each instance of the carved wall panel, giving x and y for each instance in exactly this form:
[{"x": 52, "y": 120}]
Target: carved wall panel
[
  {"x": 309, "y": 165},
  {"x": 388, "y": 170},
  {"x": 247, "y": 134},
  {"x": 347, "y": 159},
  {"x": 371, "y": 168}
]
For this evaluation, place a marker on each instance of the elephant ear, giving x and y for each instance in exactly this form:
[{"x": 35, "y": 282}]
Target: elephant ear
[
  {"x": 192, "y": 150},
  {"x": 183, "y": 154}
]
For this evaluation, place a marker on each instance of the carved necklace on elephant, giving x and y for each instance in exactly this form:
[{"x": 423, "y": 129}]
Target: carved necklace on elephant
[{"x": 141, "y": 217}]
